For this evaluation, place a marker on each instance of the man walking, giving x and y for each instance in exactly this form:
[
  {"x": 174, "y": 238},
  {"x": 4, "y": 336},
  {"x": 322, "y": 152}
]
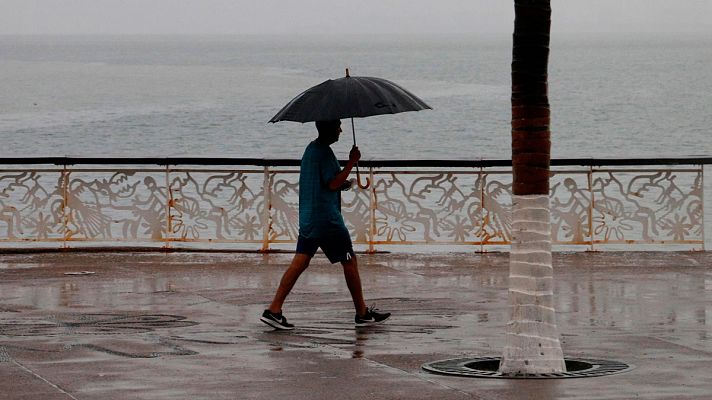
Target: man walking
[{"x": 321, "y": 225}]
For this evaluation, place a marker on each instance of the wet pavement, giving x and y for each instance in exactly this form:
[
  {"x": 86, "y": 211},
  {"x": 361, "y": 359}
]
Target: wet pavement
[{"x": 186, "y": 326}]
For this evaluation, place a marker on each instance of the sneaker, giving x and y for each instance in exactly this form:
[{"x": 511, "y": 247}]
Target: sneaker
[
  {"x": 372, "y": 317},
  {"x": 276, "y": 321}
]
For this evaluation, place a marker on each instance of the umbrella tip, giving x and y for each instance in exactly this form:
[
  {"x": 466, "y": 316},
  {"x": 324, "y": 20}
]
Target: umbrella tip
[{"x": 347, "y": 73}]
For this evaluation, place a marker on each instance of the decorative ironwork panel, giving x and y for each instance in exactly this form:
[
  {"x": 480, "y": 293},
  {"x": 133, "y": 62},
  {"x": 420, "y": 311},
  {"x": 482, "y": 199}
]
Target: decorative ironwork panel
[
  {"x": 284, "y": 206},
  {"x": 121, "y": 205},
  {"x": 216, "y": 205},
  {"x": 284, "y": 209},
  {"x": 356, "y": 210},
  {"x": 570, "y": 202},
  {"x": 429, "y": 207},
  {"x": 648, "y": 206},
  {"x": 496, "y": 208},
  {"x": 31, "y": 205}
]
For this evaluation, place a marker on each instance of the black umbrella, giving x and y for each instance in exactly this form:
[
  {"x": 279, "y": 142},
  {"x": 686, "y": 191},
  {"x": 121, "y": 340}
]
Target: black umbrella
[{"x": 350, "y": 97}]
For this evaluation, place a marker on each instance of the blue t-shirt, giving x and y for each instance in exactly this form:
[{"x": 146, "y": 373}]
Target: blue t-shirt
[{"x": 319, "y": 207}]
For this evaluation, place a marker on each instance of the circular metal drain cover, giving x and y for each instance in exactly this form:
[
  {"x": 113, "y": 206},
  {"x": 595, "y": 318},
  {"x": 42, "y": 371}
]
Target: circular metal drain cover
[
  {"x": 93, "y": 324},
  {"x": 486, "y": 367}
]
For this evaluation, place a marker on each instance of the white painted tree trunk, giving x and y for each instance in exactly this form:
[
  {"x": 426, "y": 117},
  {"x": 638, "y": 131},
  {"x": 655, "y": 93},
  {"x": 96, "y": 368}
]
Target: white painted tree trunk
[{"x": 532, "y": 338}]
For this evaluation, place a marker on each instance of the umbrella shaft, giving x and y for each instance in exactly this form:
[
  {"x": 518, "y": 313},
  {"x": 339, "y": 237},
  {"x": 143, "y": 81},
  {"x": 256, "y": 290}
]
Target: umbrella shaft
[{"x": 353, "y": 131}]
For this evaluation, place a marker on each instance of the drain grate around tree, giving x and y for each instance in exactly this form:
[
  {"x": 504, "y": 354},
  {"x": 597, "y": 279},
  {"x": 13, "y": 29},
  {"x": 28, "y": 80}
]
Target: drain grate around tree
[
  {"x": 486, "y": 367},
  {"x": 93, "y": 324}
]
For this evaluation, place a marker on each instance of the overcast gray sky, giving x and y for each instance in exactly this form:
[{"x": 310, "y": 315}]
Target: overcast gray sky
[{"x": 327, "y": 16}]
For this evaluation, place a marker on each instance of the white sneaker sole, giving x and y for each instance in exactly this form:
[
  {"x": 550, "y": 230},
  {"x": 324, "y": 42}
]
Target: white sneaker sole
[
  {"x": 275, "y": 325},
  {"x": 372, "y": 323}
]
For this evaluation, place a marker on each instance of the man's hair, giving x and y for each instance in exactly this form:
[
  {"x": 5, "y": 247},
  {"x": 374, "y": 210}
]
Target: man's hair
[{"x": 327, "y": 126}]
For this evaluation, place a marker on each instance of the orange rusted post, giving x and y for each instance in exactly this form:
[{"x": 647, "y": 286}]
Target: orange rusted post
[
  {"x": 591, "y": 206},
  {"x": 169, "y": 204},
  {"x": 702, "y": 204},
  {"x": 65, "y": 197},
  {"x": 373, "y": 203},
  {"x": 482, "y": 206},
  {"x": 266, "y": 218}
]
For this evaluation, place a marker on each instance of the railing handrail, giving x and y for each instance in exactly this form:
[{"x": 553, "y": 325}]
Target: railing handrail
[{"x": 284, "y": 162}]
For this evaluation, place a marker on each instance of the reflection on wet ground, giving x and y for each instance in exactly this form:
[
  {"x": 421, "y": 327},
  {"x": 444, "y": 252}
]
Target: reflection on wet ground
[{"x": 188, "y": 324}]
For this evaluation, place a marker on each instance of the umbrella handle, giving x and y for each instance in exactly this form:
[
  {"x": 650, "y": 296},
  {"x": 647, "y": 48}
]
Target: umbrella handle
[
  {"x": 358, "y": 174},
  {"x": 358, "y": 180}
]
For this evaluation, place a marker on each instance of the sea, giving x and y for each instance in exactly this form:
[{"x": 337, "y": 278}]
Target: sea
[
  {"x": 610, "y": 95},
  {"x": 619, "y": 96}
]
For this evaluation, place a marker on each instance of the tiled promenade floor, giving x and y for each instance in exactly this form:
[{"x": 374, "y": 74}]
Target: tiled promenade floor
[{"x": 185, "y": 326}]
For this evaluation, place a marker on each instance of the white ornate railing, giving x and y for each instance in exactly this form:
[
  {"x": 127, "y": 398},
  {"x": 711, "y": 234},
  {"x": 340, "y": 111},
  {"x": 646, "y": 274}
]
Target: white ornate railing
[{"x": 252, "y": 203}]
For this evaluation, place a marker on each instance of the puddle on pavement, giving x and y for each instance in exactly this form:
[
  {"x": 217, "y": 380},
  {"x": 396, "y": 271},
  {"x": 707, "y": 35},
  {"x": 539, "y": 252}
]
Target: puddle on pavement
[{"x": 11, "y": 266}]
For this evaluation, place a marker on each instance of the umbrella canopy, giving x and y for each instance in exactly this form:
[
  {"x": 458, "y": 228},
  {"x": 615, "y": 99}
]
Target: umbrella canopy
[{"x": 349, "y": 97}]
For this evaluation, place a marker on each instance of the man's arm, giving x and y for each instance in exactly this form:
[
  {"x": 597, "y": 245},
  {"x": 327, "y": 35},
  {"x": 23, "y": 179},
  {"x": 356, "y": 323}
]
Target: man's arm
[{"x": 338, "y": 181}]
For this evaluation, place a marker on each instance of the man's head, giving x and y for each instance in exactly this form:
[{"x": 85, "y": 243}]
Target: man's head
[{"x": 329, "y": 131}]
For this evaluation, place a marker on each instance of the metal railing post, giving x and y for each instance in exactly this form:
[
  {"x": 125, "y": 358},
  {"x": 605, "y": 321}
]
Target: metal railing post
[
  {"x": 65, "y": 203},
  {"x": 169, "y": 203},
  {"x": 266, "y": 211},
  {"x": 591, "y": 206},
  {"x": 702, "y": 202},
  {"x": 373, "y": 203},
  {"x": 482, "y": 205}
]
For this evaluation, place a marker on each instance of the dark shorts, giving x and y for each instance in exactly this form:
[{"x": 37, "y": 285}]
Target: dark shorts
[{"x": 337, "y": 248}]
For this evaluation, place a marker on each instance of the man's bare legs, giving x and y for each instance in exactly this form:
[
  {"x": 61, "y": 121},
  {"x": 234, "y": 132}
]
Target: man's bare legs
[
  {"x": 364, "y": 316},
  {"x": 353, "y": 281},
  {"x": 299, "y": 264}
]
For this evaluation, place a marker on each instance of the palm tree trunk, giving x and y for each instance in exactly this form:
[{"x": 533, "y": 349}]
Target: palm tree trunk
[{"x": 532, "y": 339}]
